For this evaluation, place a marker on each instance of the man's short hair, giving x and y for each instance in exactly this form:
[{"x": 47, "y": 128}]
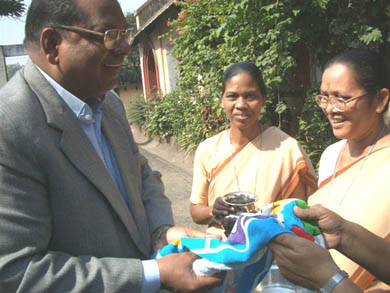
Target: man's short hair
[{"x": 43, "y": 13}]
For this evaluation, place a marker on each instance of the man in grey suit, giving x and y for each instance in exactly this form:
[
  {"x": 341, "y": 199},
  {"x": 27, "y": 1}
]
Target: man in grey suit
[{"x": 80, "y": 209}]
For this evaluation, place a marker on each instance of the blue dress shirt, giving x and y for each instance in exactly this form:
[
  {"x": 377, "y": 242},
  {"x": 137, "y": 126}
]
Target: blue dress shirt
[{"x": 90, "y": 117}]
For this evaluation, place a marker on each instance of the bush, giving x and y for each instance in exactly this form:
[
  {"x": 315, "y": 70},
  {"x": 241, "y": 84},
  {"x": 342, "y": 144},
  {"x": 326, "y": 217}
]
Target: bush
[
  {"x": 137, "y": 111},
  {"x": 164, "y": 116},
  {"x": 190, "y": 118},
  {"x": 204, "y": 118}
]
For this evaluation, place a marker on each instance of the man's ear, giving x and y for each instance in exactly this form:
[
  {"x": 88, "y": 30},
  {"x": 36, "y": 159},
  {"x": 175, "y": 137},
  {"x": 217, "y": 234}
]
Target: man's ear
[{"x": 50, "y": 42}]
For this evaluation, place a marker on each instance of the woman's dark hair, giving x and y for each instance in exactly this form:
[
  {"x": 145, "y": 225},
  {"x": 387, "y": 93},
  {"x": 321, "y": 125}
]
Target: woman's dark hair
[
  {"x": 43, "y": 13},
  {"x": 369, "y": 68},
  {"x": 245, "y": 67}
]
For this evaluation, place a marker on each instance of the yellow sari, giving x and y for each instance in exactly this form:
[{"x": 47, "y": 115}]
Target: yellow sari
[
  {"x": 360, "y": 193},
  {"x": 273, "y": 166}
]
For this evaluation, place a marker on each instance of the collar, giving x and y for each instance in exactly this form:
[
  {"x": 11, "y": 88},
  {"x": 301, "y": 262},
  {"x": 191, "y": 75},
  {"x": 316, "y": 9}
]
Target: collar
[{"x": 81, "y": 109}]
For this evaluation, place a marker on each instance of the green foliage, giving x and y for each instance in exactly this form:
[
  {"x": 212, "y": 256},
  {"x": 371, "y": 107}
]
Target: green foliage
[
  {"x": 13, "y": 8},
  {"x": 315, "y": 134},
  {"x": 289, "y": 40},
  {"x": 137, "y": 111},
  {"x": 203, "y": 118},
  {"x": 191, "y": 118},
  {"x": 165, "y": 115}
]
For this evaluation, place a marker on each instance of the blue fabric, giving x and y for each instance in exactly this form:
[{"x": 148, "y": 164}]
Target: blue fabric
[
  {"x": 289, "y": 217},
  {"x": 244, "y": 253}
]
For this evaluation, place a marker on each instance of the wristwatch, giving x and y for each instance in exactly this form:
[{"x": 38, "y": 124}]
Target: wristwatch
[
  {"x": 333, "y": 282},
  {"x": 158, "y": 233}
]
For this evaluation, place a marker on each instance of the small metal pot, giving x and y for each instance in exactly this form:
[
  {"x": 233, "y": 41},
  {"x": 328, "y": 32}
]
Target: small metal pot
[{"x": 243, "y": 202}]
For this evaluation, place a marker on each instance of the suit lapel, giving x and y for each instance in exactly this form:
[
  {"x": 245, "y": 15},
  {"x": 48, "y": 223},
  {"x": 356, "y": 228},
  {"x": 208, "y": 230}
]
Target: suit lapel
[
  {"x": 89, "y": 163},
  {"x": 79, "y": 150},
  {"x": 126, "y": 160}
]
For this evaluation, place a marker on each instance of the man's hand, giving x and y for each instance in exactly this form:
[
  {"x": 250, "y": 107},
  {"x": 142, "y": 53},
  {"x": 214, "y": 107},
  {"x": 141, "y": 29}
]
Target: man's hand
[
  {"x": 176, "y": 274},
  {"x": 302, "y": 262},
  {"x": 330, "y": 224}
]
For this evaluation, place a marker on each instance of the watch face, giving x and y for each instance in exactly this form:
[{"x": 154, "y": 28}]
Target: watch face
[{"x": 274, "y": 282}]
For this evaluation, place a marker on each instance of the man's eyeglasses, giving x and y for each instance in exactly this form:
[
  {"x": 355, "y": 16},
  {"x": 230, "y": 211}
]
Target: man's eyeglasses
[
  {"x": 338, "y": 103},
  {"x": 112, "y": 38}
]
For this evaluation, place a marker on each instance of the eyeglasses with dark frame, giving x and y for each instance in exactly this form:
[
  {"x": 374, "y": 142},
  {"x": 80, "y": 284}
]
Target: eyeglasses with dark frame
[
  {"x": 338, "y": 103},
  {"x": 112, "y": 38}
]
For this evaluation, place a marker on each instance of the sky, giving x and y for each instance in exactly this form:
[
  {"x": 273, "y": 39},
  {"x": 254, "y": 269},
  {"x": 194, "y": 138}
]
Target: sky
[{"x": 12, "y": 29}]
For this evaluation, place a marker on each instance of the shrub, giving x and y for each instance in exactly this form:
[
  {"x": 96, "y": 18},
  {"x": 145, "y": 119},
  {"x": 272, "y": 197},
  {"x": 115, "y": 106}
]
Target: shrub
[{"x": 137, "y": 111}]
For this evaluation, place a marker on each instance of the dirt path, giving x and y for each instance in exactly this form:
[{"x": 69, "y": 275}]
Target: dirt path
[{"x": 176, "y": 170}]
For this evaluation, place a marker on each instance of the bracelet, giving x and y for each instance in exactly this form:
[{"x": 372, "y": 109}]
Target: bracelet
[{"x": 334, "y": 281}]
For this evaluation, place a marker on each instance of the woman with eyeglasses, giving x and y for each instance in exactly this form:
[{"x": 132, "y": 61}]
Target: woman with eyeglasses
[{"x": 354, "y": 172}]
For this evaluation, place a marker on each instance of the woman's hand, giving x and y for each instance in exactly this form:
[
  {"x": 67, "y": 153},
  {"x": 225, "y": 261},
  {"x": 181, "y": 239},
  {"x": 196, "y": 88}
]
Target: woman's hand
[
  {"x": 179, "y": 232},
  {"x": 221, "y": 209},
  {"x": 302, "y": 262}
]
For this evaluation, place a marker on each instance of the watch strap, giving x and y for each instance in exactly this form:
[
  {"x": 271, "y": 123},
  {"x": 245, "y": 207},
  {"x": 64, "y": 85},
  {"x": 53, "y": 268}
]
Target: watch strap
[
  {"x": 158, "y": 233},
  {"x": 333, "y": 282}
]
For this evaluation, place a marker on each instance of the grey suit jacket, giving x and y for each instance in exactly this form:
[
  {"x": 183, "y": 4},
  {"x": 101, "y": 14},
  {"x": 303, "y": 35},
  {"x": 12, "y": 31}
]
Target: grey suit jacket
[{"x": 64, "y": 226}]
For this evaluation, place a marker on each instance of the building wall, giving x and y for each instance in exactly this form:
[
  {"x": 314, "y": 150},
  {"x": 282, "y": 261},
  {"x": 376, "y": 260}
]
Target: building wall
[
  {"x": 129, "y": 93},
  {"x": 166, "y": 64},
  {"x": 3, "y": 68}
]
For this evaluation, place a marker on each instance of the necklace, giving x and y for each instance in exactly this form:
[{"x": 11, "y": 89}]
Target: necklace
[
  {"x": 234, "y": 164},
  {"x": 357, "y": 173}
]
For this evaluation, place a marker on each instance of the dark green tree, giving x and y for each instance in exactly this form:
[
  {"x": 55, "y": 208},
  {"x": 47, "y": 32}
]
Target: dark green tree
[
  {"x": 130, "y": 71},
  {"x": 13, "y": 8}
]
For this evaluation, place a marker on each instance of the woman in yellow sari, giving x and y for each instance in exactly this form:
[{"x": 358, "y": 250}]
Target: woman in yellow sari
[
  {"x": 354, "y": 171},
  {"x": 247, "y": 157}
]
